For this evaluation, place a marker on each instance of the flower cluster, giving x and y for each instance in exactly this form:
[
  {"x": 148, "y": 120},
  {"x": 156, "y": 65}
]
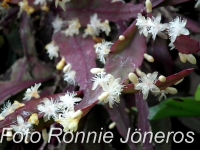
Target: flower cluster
[
  {"x": 111, "y": 87},
  {"x": 95, "y": 26},
  {"x": 62, "y": 110},
  {"x": 153, "y": 26},
  {"x": 102, "y": 50}
]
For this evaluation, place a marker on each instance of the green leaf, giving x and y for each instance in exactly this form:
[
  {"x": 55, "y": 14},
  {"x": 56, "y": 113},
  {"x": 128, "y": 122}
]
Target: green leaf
[
  {"x": 197, "y": 94},
  {"x": 177, "y": 107}
]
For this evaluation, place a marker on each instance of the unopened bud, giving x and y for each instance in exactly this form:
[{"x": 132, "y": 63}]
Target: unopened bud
[
  {"x": 77, "y": 114},
  {"x": 67, "y": 68},
  {"x": 9, "y": 134},
  {"x": 133, "y": 78},
  {"x": 179, "y": 81},
  {"x": 162, "y": 78},
  {"x": 112, "y": 125},
  {"x": 138, "y": 71},
  {"x": 182, "y": 57},
  {"x": 171, "y": 90},
  {"x": 121, "y": 37},
  {"x": 61, "y": 64},
  {"x": 103, "y": 96},
  {"x": 191, "y": 59},
  {"x": 149, "y": 58},
  {"x": 148, "y": 6},
  {"x": 45, "y": 135},
  {"x": 97, "y": 70}
]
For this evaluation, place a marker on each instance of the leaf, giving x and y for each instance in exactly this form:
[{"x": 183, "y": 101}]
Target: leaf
[
  {"x": 120, "y": 117},
  {"x": 179, "y": 107},
  {"x": 126, "y": 55},
  {"x": 186, "y": 45},
  {"x": 197, "y": 94},
  {"x": 80, "y": 53},
  {"x": 11, "y": 88},
  {"x": 163, "y": 60},
  {"x": 104, "y": 8},
  {"x": 170, "y": 80},
  {"x": 143, "y": 122},
  {"x": 160, "y": 3}
]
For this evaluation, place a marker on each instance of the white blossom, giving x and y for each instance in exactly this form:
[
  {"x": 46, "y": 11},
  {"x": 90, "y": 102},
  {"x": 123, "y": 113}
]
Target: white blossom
[
  {"x": 94, "y": 27},
  {"x": 68, "y": 122},
  {"x": 6, "y": 109},
  {"x": 177, "y": 28},
  {"x": 32, "y": 92},
  {"x": 114, "y": 89},
  {"x": 105, "y": 27},
  {"x": 143, "y": 24},
  {"x": 70, "y": 76},
  {"x": 197, "y": 4},
  {"x": 102, "y": 50},
  {"x": 155, "y": 26},
  {"x": 99, "y": 78},
  {"x": 162, "y": 94},
  {"x": 22, "y": 126},
  {"x": 49, "y": 108},
  {"x": 69, "y": 100},
  {"x": 73, "y": 27},
  {"x": 58, "y": 23},
  {"x": 147, "y": 83},
  {"x": 61, "y": 3},
  {"x": 52, "y": 49}
]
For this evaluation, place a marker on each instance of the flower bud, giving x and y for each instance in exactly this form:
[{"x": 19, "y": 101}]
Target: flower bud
[
  {"x": 77, "y": 114},
  {"x": 171, "y": 90},
  {"x": 191, "y": 59},
  {"x": 103, "y": 96},
  {"x": 133, "y": 78},
  {"x": 182, "y": 57},
  {"x": 162, "y": 78},
  {"x": 149, "y": 58},
  {"x": 148, "y": 6},
  {"x": 61, "y": 64},
  {"x": 121, "y": 37},
  {"x": 112, "y": 125},
  {"x": 97, "y": 70}
]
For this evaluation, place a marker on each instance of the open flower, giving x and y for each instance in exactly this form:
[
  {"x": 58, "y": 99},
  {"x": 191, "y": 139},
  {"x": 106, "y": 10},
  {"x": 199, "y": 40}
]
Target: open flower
[
  {"x": 22, "y": 126},
  {"x": 102, "y": 50},
  {"x": 52, "y": 49},
  {"x": 177, "y": 28},
  {"x": 155, "y": 27},
  {"x": 73, "y": 27},
  {"x": 32, "y": 92},
  {"x": 98, "y": 79},
  {"x": 114, "y": 89},
  {"x": 57, "y": 23},
  {"x": 70, "y": 76},
  {"x": 49, "y": 108},
  {"x": 143, "y": 24},
  {"x": 147, "y": 83},
  {"x": 61, "y": 3},
  {"x": 69, "y": 100}
]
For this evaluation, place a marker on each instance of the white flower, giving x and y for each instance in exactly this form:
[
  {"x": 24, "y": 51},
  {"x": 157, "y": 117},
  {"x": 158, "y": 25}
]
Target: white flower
[
  {"x": 147, "y": 83},
  {"x": 197, "y": 4},
  {"x": 73, "y": 27},
  {"x": 52, "y": 49},
  {"x": 105, "y": 27},
  {"x": 155, "y": 27},
  {"x": 99, "y": 78},
  {"x": 102, "y": 50},
  {"x": 6, "y": 109},
  {"x": 22, "y": 126},
  {"x": 61, "y": 3},
  {"x": 94, "y": 27},
  {"x": 143, "y": 24},
  {"x": 162, "y": 94},
  {"x": 176, "y": 28},
  {"x": 68, "y": 122},
  {"x": 69, "y": 100},
  {"x": 57, "y": 24},
  {"x": 114, "y": 89},
  {"x": 49, "y": 108},
  {"x": 41, "y": 2},
  {"x": 70, "y": 76},
  {"x": 32, "y": 92}
]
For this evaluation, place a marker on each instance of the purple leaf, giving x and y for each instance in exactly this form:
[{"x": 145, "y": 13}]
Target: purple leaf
[
  {"x": 171, "y": 80},
  {"x": 163, "y": 60},
  {"x": 126, "y": 55},
  {"x": 120, "y": 117},
  {"x": 80, "y": 53},
  {"x": 11, "y": 88},
  {"x": 143, "y": 122},
  {"x": 186, "y": 45}
]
